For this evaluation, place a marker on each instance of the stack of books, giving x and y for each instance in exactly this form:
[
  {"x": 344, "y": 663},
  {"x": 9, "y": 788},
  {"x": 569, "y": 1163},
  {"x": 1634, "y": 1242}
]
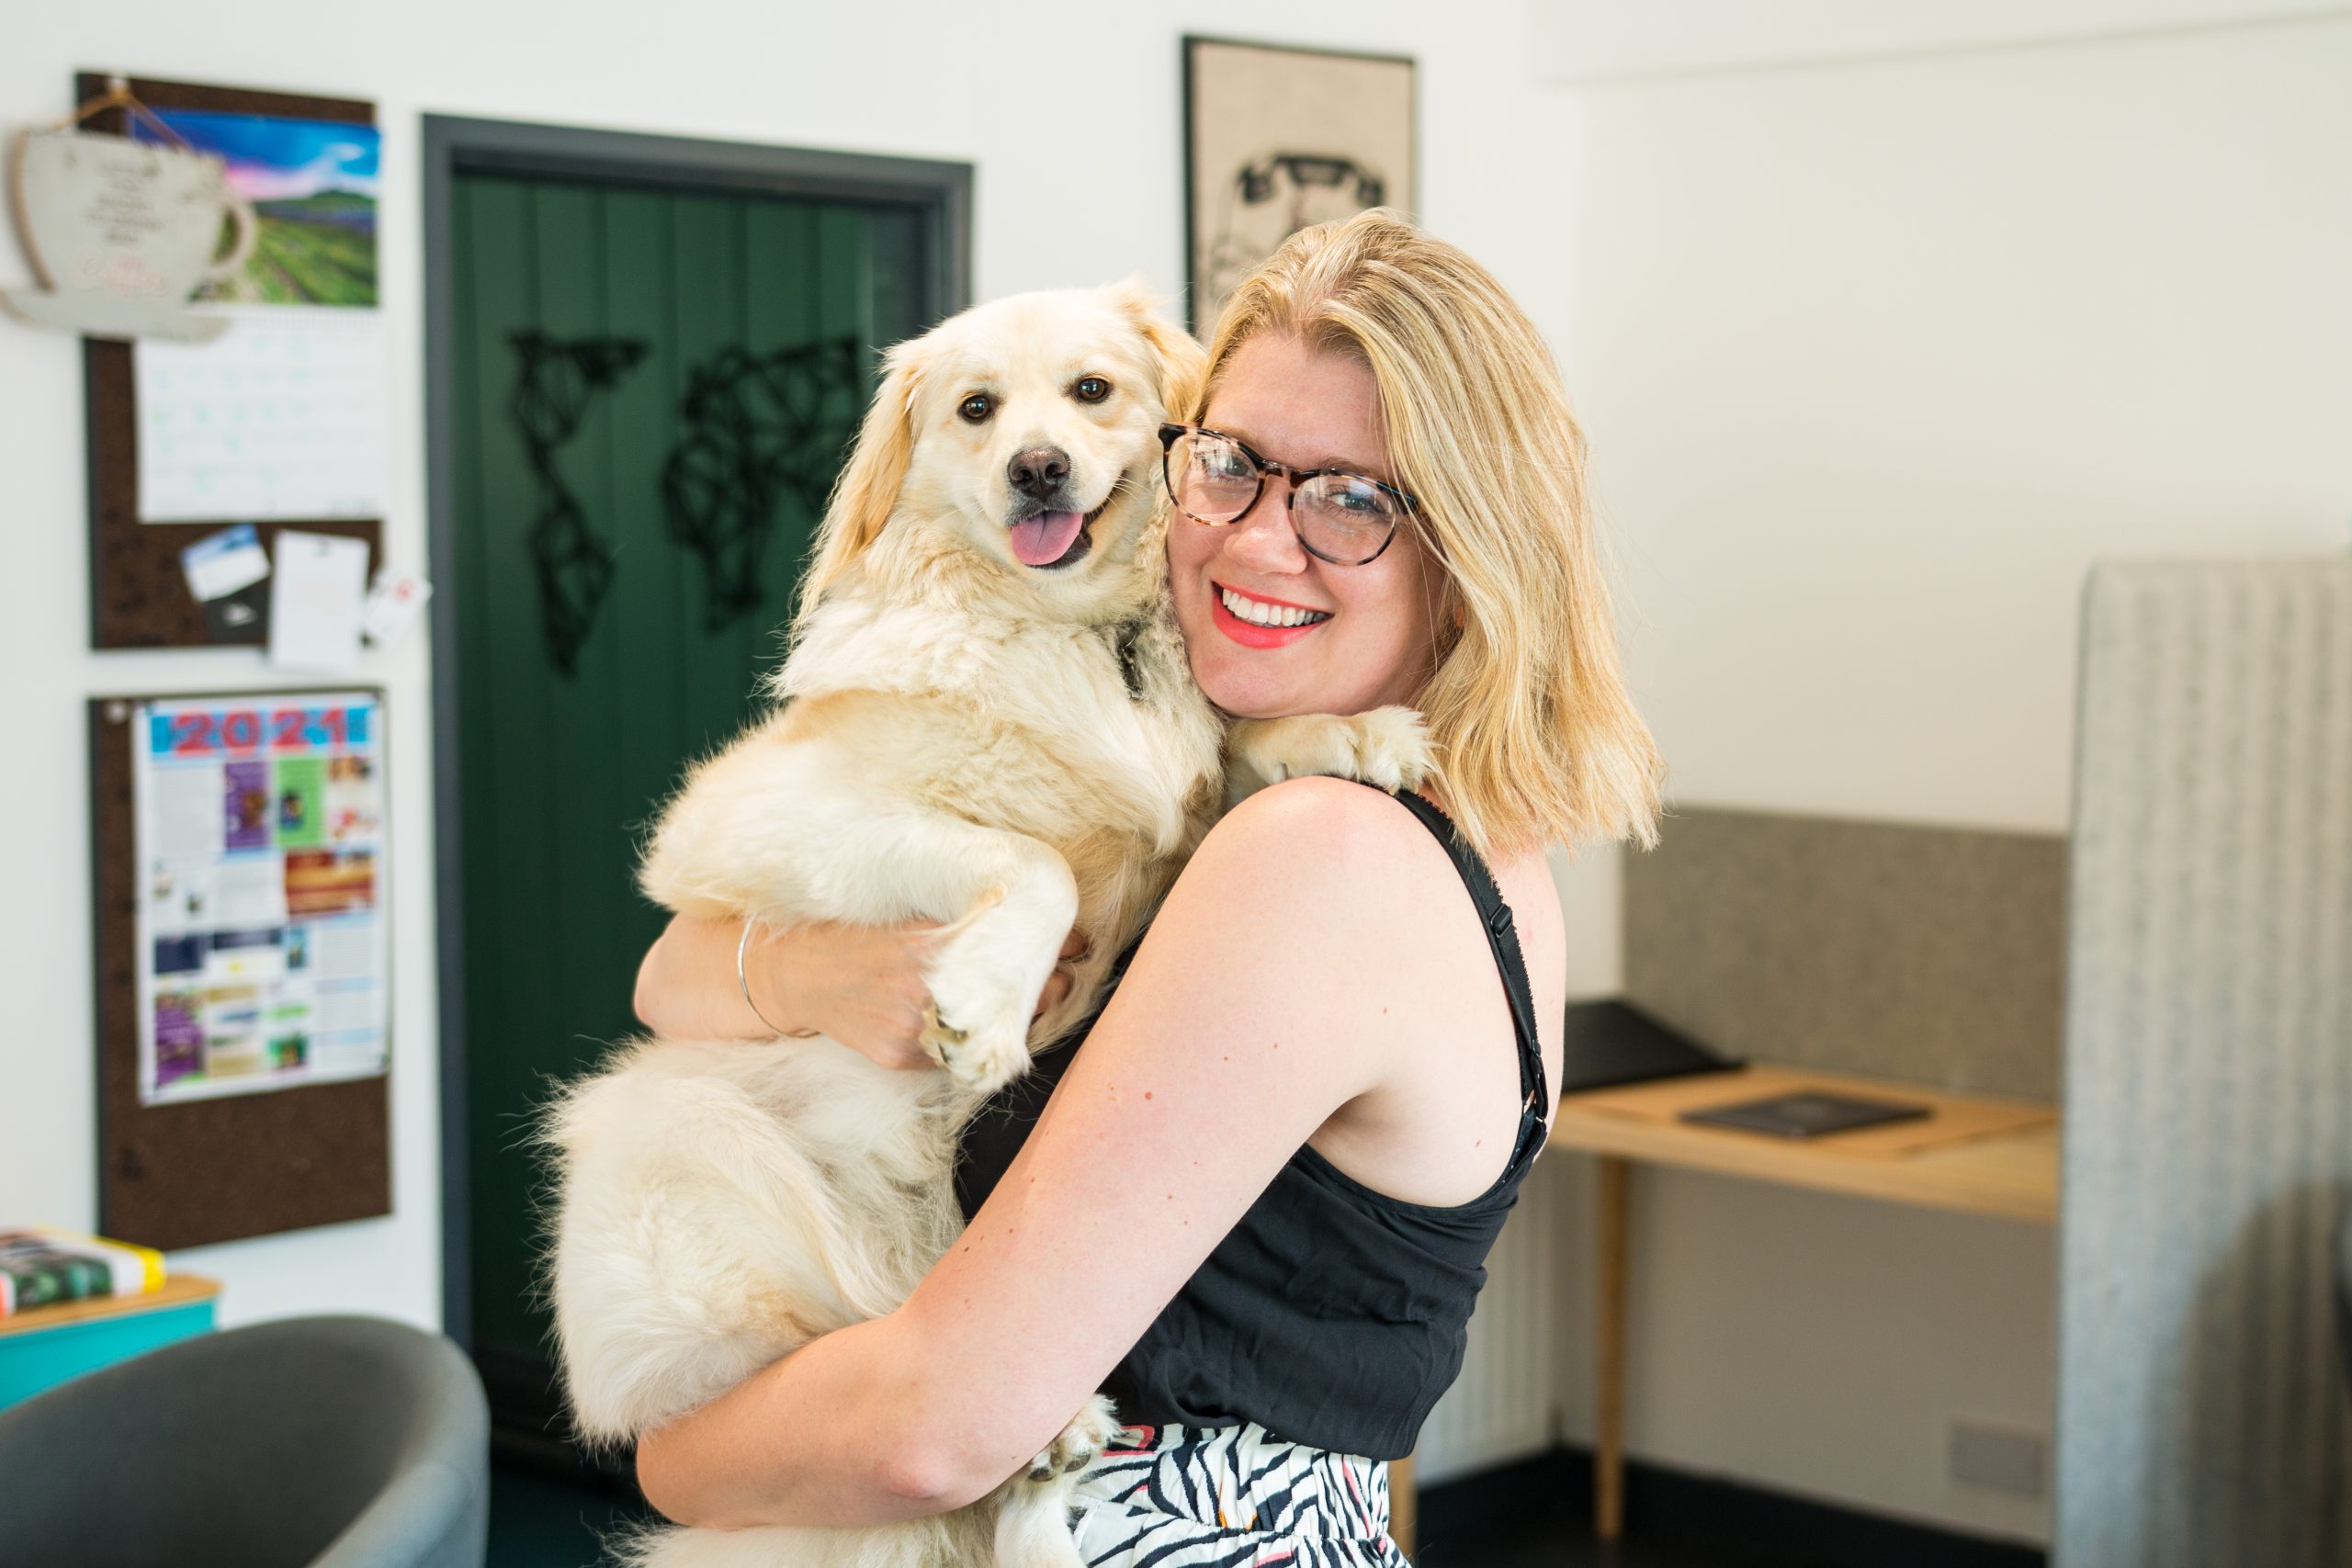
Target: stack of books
[{"x": 41, "y": 1267}]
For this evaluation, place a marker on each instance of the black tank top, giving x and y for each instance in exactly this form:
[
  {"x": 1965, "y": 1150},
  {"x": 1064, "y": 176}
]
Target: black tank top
[{"x": 1331, "y": 1314}]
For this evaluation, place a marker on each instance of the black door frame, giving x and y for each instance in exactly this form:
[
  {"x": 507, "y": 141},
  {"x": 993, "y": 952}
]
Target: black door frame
[{"x": 939, "y": 193}]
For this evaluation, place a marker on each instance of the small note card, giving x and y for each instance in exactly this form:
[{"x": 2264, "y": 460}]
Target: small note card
[
  {"x": 220, "y": 564},
  {"x": 392, "y": 605},
  {"x": 319, "y": 588}
]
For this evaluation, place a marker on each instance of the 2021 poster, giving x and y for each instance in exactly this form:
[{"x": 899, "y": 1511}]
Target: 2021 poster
[{"x": 263, "y": 958}]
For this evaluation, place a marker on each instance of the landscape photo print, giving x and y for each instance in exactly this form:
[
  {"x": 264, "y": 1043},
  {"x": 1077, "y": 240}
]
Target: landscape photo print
[{"x": 313, "y": 184}]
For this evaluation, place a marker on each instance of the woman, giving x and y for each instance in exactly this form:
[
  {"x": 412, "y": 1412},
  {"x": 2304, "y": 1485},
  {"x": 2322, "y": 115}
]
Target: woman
[{"x": 1256, "y": 1208}]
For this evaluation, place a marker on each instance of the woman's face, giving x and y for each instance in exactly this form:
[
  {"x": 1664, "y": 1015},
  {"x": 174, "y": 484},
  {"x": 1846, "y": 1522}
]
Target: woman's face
[{"x": 1312, "y": 408}]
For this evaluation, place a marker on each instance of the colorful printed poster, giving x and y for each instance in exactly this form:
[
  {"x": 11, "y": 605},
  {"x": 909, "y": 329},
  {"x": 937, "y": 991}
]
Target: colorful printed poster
[{"x": 263, "y": 956}]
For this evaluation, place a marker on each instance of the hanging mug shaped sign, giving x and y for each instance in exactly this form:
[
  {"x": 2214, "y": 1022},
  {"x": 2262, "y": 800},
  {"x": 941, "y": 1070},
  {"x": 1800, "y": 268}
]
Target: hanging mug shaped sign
[{"x": 122, "y": 232}]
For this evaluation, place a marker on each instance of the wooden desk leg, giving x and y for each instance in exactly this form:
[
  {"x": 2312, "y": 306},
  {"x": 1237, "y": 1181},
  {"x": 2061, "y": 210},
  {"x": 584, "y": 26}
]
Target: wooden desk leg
[
  {"x": 1616, "y": 1179},
  {"x": 1404, "y": 1503}
]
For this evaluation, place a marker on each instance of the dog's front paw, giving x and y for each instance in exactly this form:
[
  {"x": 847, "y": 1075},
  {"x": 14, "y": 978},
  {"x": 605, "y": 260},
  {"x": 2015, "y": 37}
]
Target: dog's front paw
[
  {"x": 1392, "y": 748},
  {"x": 1387, "y": 745},
  {"x": 983, "y": 1058},
  {"x": 1092, "y": 1429},
  {"x": 985, "y": 978}
]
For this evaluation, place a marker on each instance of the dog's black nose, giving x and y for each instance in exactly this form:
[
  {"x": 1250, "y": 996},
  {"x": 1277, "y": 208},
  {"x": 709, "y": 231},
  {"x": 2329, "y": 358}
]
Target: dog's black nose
[{"x": 1039, "y": 472}]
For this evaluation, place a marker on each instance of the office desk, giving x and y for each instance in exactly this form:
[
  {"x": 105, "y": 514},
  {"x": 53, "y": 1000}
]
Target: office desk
[{"x": 1973, "y": 1154}]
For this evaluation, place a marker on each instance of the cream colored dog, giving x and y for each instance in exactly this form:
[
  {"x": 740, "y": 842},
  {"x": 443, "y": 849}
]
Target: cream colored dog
[{"x": 987, "y": 720}]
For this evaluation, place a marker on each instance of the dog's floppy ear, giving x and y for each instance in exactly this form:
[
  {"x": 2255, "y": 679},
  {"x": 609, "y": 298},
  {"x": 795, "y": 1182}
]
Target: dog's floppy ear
[
  {"x": 868, "y": 487},
  {"x": 1182, "y": 362}
]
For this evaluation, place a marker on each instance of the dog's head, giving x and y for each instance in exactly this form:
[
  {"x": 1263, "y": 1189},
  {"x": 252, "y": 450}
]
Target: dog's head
[{"x": 1028, "y": 428}]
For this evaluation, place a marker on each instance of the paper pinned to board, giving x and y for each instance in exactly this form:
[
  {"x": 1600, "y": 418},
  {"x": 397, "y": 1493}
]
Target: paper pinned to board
[
  {"x": 317, "y": 600},
  {"x": 393, "y": 603},
  {"x": 282, "y": 418},
  {"x": 220, "y": 564}
]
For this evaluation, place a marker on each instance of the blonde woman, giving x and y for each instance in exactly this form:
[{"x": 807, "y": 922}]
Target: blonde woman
[{"x": 1254, "y": 1201}]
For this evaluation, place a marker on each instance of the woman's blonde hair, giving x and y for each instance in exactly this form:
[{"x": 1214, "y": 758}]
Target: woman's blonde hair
[{"x": 1537, "y": 740}]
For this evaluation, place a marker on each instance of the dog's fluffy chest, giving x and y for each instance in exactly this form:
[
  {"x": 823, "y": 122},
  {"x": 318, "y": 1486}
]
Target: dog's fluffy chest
[{"x": 1063, "y": 731}]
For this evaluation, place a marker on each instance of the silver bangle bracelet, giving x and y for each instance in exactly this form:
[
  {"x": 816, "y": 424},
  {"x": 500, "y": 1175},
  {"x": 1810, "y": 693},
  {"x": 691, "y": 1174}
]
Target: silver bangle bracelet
[{"x": 744, "y": 981}]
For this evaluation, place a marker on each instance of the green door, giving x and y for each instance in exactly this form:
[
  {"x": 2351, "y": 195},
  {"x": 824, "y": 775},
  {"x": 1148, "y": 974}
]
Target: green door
[{"x": 653, "y": 390}]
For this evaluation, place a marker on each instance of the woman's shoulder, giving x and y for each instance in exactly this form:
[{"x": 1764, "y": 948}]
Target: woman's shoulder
[
  {"x": 1337, "y": 825},
  {"x": 1330, "y": 851},
  {"x": 1296, "y": 920},
  {"x": 1342, "y": 856}
]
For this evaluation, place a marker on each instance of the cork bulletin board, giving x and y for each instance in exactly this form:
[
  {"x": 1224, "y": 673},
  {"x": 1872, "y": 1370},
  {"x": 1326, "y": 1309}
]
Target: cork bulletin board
[
  {"x": 191, "y": 1169},
  {"x": 138, "y": 595}
]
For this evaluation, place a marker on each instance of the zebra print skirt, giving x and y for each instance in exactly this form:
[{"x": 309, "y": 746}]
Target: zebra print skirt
[{"x": 1231, "y": 1497}]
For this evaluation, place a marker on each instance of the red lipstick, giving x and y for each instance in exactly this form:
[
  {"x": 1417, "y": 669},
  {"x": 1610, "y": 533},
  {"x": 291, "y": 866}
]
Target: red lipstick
[{"x": 1248, "y": 634}]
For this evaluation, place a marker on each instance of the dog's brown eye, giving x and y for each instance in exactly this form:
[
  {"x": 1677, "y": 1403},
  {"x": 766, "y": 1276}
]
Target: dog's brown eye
[
  {"x": 976, "y": 408},
  {"x": 1091, "y": 389}
]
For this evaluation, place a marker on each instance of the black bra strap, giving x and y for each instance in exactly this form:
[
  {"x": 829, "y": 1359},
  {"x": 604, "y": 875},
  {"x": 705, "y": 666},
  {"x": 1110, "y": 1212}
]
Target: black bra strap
[{"x": 1502, "y": 936}]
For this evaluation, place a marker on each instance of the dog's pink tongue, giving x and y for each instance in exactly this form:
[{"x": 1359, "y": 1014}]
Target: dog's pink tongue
[{"x": 1045, "y": 538}]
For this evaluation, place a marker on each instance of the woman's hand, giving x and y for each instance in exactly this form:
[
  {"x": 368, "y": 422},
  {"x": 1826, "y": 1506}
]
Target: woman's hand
[{"x": 860, "y": 985}]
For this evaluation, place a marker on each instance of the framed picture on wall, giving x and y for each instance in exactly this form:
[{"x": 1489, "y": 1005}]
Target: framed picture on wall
[{"x": 1276, "y": 138}]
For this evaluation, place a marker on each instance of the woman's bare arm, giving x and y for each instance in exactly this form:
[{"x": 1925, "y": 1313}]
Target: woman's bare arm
[
  {"x": 1258, "y": 1006},
  {"x": 860, "y": 985}
]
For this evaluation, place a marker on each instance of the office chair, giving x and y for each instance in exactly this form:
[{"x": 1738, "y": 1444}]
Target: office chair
[{"x": 313, "y": 1442}]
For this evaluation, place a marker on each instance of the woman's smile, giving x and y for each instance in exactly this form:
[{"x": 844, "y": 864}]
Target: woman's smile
[{"x": 1255, "y": 620}]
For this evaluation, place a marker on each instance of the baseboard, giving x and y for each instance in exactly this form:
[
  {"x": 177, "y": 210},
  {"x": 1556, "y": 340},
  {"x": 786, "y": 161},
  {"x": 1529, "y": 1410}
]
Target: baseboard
[{"x": 1460, "y": 1519}]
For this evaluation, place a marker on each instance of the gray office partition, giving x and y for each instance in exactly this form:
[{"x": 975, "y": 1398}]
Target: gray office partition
[
  {"x": 1888, "y": 949},
  {"x": 2208, "y": 1061}
]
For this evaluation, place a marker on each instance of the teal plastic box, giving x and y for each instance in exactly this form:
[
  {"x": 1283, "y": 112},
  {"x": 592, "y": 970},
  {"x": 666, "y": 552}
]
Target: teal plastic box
[{"x": 42, "y": 1357}]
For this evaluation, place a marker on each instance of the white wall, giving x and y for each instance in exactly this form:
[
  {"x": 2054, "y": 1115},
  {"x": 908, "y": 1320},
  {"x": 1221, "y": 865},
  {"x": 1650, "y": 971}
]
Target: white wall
[
  {"x": 1875, "y": 360},
  {"x": 1603, "y": 40}
]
